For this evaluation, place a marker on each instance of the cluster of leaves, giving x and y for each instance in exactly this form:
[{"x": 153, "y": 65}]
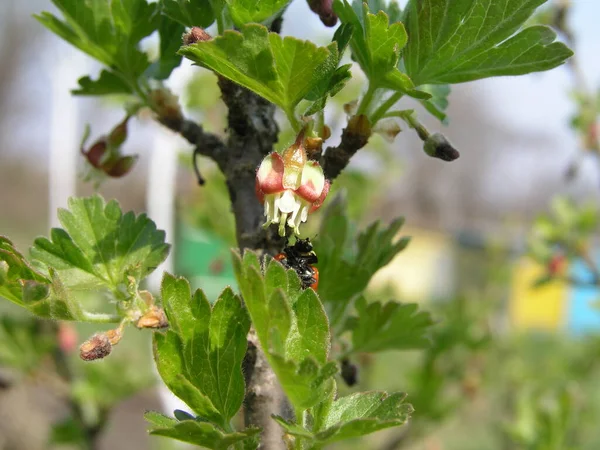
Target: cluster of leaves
[
  {"x": 564, "y": 236},
  {"x": 448, "y": 44},
  {"x": 293, "y": 329},
  {"x": 100, "y": 250}
]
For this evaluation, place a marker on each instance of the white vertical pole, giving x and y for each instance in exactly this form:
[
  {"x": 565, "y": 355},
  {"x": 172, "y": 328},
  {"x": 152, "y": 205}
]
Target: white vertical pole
[
  {"x": 160, "y": 194},
  {"x": 63, "y": 142}
]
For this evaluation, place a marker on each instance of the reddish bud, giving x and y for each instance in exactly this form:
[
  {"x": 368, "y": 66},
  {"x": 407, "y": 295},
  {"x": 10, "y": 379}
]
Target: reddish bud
[
  {"x": 96, "y": 154},
  {"x": 196, "y": 34},
  {"x": 324, "y": 8},
  {"x": 120, "y": 167}
]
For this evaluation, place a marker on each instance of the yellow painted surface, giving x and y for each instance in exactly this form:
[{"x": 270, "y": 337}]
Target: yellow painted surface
[
  {"x": 539, "y": 308},
  {"x": 415, "y": 272}
]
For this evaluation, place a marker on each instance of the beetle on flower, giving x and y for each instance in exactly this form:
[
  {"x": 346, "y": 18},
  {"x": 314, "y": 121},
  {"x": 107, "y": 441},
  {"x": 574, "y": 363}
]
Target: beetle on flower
[{"x": 290, "y": 186}]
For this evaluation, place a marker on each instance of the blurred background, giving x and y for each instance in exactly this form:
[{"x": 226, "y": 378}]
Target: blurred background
[{"x": 515, "y": 355}]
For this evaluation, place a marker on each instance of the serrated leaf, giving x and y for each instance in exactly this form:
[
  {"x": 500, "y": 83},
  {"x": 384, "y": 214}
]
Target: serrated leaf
[
  {"x": 453, "y": 41},
  {"x": 21, "y": 283},
  {"x": 168, "y": 351},
  {"x": 345, "y": 270},
  {"x": 15, "y": 271},
  {"x": 309, "y": 334},
  {"x": 204, "y": 348},
  {"x": 107, "y": 83},
  {"x": 376, "y": 45},
  {"x": 258, "y": 11},
  {"x": 203, "y": 434},
  {"x": 363, "y": 413},
  {"x": 330, "y": 86},
  {"x": 281, "y": 70},
  {"x": 351, "y": 417},
  {"x": 191, "y": 13},
  {"x": 390, "y": 326},
  {"x": 169, "y": 32},
  {"x": 307, "y": 383},
  {"x": 291, "y": 325},
  {"x": 100, "y": 246},
  {"x": 109, "y": 31}
]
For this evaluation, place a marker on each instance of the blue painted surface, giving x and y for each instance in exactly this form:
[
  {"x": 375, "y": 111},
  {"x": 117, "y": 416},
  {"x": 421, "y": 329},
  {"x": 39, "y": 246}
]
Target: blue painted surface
[{"x": 584, "y": 313}]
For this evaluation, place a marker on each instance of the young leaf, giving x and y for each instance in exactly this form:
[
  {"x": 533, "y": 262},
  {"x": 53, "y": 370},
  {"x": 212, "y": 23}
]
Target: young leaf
[
  {"x": 170, "y": 33},
  {"x": 351, "y": 417},
  {"x": 376, "y": 45},
  {"x": 203, "y": 434},
  {"x": 292, "y": 327},
  {"x": 45, "y": 296},
  {"x": 16, "y": 272},
  {"x": 200, "y": 357},
  {"x": 108, "y": 83},
  {"x": 392, "y": 326},
  {"x": 345, "y": 272},
  {"x": 258, "y": 11},
  {"x": 190, "y": 13},
  {"x": 281, "y": 70},
  {"x": 108, "y": 31},
  {"x": 100, "y": 246},
  {"x": 464, "y": 40}
]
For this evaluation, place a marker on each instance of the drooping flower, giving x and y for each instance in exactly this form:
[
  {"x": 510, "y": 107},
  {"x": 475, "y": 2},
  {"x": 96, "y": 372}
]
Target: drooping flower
[
  {"x": 105, "y": 154},
  {"x": 290, "y": 186}
]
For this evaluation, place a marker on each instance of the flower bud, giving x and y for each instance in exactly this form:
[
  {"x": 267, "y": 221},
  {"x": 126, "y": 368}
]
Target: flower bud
[
  {"x": 96, "y": 347},
  {"x": 154, "y": 318},
  {"x": 324, "y": 8},
  {"x": 437, "y": 146},
  {"x": 117, "y": 136},
  {"x": 196, "y": 34},
  {"x": 121, "y": 167},
  {"x": 166, "y": 105}
]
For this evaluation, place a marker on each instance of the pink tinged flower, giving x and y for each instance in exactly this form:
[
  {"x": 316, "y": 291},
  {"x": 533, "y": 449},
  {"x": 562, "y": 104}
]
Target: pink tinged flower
[{"x": 290, "y": 187}]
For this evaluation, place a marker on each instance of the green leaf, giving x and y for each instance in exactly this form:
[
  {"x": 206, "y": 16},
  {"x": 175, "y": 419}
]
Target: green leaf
[
  {"x": 170, "y": 32},
  {"x": 309, "y": 334},
  {"x": 465, "y": 40},
  {"x": 281, "y": 70},
  {"x": 109, "y": 31},
  {"x": 108, "y": 83},
  {"x": 100, "y": 246},
  {"x": 203, "y": 434},
  {"x": 376, "y": 45},
  {"x": 306, "y": 384},
  {"x": 438, "y": 102},
  {"x": 390, "y": 326},
  {"x": 16, "y": 272},
  {"x": 345, "y": 270},
  {"x": 24, "y": 285},
  {"x": 200, "y": 357},
  {"x": 351, "y": 417},
  {"x": 259, "y": 11},
  {"x": 292, "y": 325},
  {"x": 191, "y": 13}
]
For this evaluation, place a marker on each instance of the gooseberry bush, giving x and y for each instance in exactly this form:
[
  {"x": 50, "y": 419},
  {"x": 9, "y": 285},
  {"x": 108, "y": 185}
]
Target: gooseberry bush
[{"x": 274, "y": 348}]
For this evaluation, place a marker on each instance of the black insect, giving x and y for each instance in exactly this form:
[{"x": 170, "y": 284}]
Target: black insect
[{"x": 301, "y": 258}]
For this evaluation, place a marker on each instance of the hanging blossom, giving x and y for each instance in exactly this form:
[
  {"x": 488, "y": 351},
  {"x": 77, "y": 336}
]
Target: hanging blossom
[{"x": 290, "y": 186}]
